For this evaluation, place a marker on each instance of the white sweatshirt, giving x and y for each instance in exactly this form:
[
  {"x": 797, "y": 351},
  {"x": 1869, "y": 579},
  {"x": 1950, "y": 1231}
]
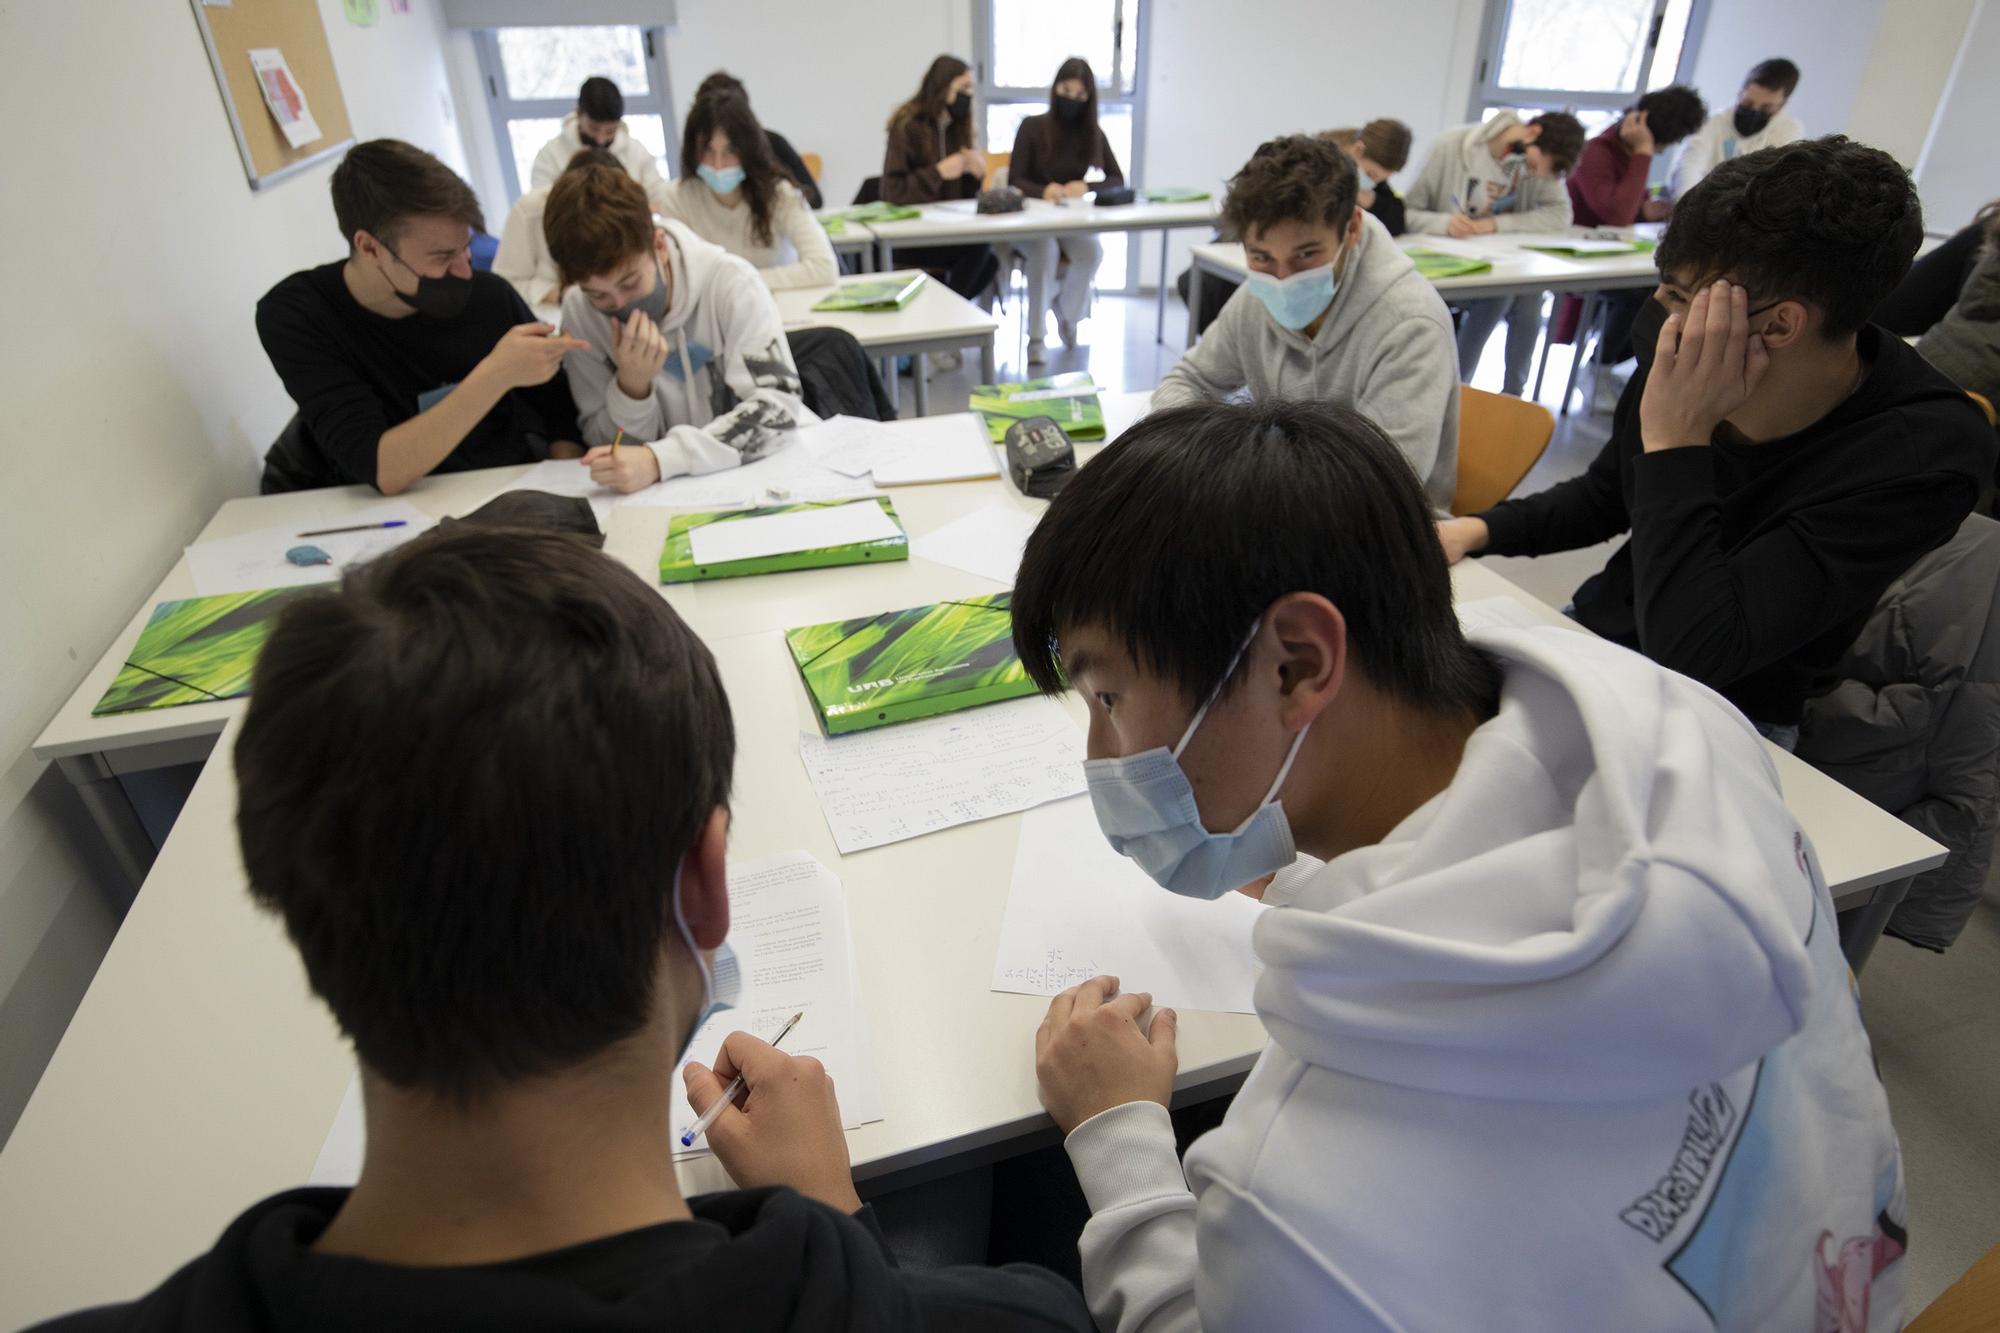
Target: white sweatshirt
[
  {"x": 799, "y": 255},
  {"x": 1461, "y": 166},
  {"x": 1717, "y": 141},
  {"x": 637, "y": 159},
  {"x": 728, "y": 392},
  {"x": 1573, "y": 1048},
  {"x": 523, "y": 257}
]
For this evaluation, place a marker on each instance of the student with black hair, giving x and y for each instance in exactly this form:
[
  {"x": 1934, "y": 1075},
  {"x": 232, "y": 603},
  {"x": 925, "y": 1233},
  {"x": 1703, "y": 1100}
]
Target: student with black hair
[
  {"x": 403, "y": 359},
  {"x": 739, "y": 198},
  {"x": 1331, "y": 310},
  {"x": 518, "y": 988},
  {"x": 599, "y": 122},
  {"x": 1053, "y": 153},
  {"x": 781, "y": 147},
  {"x": 523, "y": 257},
  {"x": 1561, "y": 1036},
  {"x": 1781, "y": 460},
  {"x": 1498, "y": 176},
  {"x": 931, "y": 157},
  {"x": 1756, "y": 121}
]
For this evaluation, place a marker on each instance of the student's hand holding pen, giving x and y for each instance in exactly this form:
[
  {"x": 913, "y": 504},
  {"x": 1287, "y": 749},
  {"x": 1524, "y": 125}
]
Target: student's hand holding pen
[
  {"x": 1462, "y": 225},
  {"x": 786, "y": 1129}
]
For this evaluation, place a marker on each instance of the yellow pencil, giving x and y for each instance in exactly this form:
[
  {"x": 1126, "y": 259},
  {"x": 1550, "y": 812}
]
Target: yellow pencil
[{"x": 614, "y": 442}]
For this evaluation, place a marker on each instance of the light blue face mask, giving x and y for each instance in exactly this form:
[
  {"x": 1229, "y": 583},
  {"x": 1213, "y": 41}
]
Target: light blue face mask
[
  {"x": 1298, "y": 300},
  {"x": 721, "y": 975},
  {"x": 1146, "y": 810},
  {"x": 722, "y": 180}
]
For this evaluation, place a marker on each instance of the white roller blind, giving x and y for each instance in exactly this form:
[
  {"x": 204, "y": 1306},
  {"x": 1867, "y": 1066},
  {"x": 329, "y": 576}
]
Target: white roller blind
[{"x": 557, "y": 13}]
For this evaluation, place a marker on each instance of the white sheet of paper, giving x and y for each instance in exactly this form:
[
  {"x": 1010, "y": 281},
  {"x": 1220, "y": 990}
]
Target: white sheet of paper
[
  {"x": 1122, "y": 411},
  {"x": 1077, "y": 909},
  {"x": 256, "y": 560},
  {"x": 789, "y": 929},
  {"x": 904, "y": 781},
  {"x": 789, "y": 473},
  {"x": 986, "y": 542},
  {"x": 946, "y": 448},
  {"x": 283, "y": 96},
  {"x": 799, "y": 530},
  {"x": 788, "y": 925}
]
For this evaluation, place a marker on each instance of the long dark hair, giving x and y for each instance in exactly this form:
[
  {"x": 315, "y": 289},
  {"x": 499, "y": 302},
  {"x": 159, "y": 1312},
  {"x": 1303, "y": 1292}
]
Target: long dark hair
[
  {"x": 933, "y": 100},
  {"x": 1076, "y": 67},
  {"x": 730, "y": 113}
]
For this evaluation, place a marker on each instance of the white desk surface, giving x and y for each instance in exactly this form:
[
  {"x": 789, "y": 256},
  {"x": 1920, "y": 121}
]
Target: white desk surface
[
  {"x": 1513, "y": 267},
  {"x": 199, "y": 1074},
  {"x": 957, "y": 221},
  {"x": 852, "y": 236},
  {"x": 936, "y": 312}
]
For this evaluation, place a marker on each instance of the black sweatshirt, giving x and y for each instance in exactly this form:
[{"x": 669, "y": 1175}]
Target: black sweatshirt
[
  {"x": 355, "y": 374},
  {"x": 1388, "y": 209},
  {"x": 795, "y": 167},
  {"x": 751, "y": 1261},
  {"x": 1930, "y": 289},
  {"x": 1752, "y": 567}
]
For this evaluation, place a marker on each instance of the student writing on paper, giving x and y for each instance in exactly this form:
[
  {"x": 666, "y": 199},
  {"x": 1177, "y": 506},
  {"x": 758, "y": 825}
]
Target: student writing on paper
[
  {"x": 1053, "y": 152},
  {"x": 722, "y": 81},
  {"x": 523, "y": 257},
  {"x": 684, "y": 348},
  {"x": 1499, "y": 176},
  {"x": 1781, "y": 461},
  {"x": 1380, "y": 149},
  {"x": 739, "y": 198},
  {"x": 1561, "y": 1035},
  {"x": 599, "y": 122},
  {"x": 1332, "y": 310},
  {"x": 930, "y": 157},
  {"x": 402, "y": 358},
  {"x": 518, "y": 987}
]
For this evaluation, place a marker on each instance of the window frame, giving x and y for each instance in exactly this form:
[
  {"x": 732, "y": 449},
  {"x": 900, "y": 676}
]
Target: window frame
[
  {"x": 1487, "y": 90},
  {"x": 503, "y": 107}
]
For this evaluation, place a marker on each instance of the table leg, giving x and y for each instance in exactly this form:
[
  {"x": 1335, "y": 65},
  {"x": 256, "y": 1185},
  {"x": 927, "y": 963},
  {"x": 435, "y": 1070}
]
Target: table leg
[
  {"x": 111, "y": 810},
  {"x": 889, "y": 380},
  {"x": 986, "y": 371},
  {"x": 1194, "y": 298},
  {"x": 1160, "y": 295},
  {"x": 920, "y": 379}
]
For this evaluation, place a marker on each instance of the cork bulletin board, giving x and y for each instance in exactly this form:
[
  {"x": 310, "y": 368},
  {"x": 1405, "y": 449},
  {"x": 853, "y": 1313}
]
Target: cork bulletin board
[{"x": 232, "y": 30}]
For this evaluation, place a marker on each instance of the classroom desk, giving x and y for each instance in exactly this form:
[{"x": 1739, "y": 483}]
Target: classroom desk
[
  {"x": 199, "y": 1074},
  {"x": 937, "y": 319},
  {"x": 1515, "y": 272},
  {"x": 956, "y": 223},
  {"x": 853, "y": 239}
]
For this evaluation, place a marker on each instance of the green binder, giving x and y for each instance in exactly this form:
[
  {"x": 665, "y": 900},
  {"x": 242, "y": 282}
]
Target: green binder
[
  {"x": 677, "y": 564},
  {"x": 1435, "y": 264},
  {"x": 1638, "y": 245},
  {"x": 1173, "y": 195},
  {"x": 866, "y": 213},
  {"x": 197, "y": 650},
  {"x": 886, "y": 293},
  {"x": 902, "y": 665},
  {"x": 1070, "y": 399}
]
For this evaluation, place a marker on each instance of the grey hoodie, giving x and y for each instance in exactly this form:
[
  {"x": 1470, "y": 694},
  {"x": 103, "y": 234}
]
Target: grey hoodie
[
  {"x": 1541, "y": 203},
  {"x": 1385, "y": 348},
  {"x": 1965, "y": 344},
  {"x": 728, "y": 393}
]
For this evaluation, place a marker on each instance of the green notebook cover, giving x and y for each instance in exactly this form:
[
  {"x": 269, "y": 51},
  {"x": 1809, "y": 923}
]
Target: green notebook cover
[
  {"x": 1638, "y": 245},
  {"x": 197, "y": 650},
  {"x": 1435, "y": 264},
  {"x": 903, "y": 665},
  {"x": 1078, "y": 413},
  {"x": 677, "y": 557},
  {"x": 876, "y": 212},
  {"x": 889, "y": 293},
  {"x": 1173, "y": 195}
]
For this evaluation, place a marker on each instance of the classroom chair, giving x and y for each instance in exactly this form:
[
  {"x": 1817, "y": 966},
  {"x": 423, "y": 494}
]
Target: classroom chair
[
  {"x": 1499, "y": 438},
  {"x": 1968, "y": 1305},
  {"x": 812, "y": 161},
  {"x": 996, "y": 169}
]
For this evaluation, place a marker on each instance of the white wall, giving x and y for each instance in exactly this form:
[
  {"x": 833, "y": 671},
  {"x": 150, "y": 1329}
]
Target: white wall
[
  {"x": 1831, "y": 42},
  {"x": 1957, "y": 175},
  {"x": 139, "y": 396},
  {"x": 1908, "y": 66}
]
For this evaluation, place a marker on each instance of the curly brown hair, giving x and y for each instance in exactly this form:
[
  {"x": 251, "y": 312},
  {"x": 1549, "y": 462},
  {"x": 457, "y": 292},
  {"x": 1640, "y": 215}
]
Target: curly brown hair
[{"x": 1296, "y": 177}]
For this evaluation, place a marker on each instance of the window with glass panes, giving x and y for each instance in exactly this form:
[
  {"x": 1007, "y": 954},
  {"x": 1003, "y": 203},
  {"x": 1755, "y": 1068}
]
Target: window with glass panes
[
  {"x": 1590, "y": 57},
  {"x": 532, "y": 76}
]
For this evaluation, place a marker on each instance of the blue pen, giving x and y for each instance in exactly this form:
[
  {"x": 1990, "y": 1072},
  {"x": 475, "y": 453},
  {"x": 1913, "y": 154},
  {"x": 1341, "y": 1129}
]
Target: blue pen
[{"x": 358, "y": 527}]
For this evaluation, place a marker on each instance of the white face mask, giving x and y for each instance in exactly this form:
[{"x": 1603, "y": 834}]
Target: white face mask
[
  {"x": 1146, "y": 809},
  {"x": 721, "y": 975}
]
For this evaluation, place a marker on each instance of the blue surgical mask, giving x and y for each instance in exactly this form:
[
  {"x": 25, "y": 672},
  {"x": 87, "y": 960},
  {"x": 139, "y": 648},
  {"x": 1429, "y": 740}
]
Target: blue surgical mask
[
  {"x": 721, "y": 975},
  {"x": 1146, "y": 810},
  {"x": 1298, "y": 300},
  {"x": 722, "y": 180}
]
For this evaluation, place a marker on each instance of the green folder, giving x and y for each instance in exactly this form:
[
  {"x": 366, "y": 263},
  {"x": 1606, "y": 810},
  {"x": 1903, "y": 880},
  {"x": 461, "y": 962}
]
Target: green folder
[
  {"x": 903, "y": 665},
  {"x": 1435, "y": 264},
  {"x": 1173, "y": 195},
  {"x": 197, "y": 650},
  {"x": 864, "y": 213},
  {"x": 1638, "y": 245},
  {"x": 1078, "y": 413},
  {"x": 887, "y": 293},
  {"x": 677, "y": 563}
]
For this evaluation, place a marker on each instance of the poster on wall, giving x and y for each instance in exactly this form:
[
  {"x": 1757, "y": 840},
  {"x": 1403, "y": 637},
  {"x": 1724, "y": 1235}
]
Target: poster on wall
[
  {"x": 362, "y": 13},
  {"x": 283, "y": 97}
]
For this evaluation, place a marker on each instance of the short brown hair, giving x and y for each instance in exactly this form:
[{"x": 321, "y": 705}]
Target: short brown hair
[
  {"x": 596, "y": 219},
  {"x": 1293, "y": 178},
  {"x": 409, "y": 771},
  {"x": 1387, "y": 142},
  {"x": 380, "y": 185},
  {"x": 1561, "y": 140}
]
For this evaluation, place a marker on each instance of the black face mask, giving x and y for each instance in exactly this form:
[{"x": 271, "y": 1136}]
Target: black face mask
[
  {"x": 1646, "y": 326},
  {"x": 435, "y": 298},
  {"x": 1071, "y": 110},
  {"x": 1750, "y": 120},
  {"x": 961, "y": 106}
]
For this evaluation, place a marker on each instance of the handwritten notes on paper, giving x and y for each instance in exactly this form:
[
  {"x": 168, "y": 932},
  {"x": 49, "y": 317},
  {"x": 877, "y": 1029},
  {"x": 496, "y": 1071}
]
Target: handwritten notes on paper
[{"x": 883, "y": 786}]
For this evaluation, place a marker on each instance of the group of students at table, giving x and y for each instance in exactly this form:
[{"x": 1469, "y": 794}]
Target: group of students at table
[{"x": 1560, "y": 1035}]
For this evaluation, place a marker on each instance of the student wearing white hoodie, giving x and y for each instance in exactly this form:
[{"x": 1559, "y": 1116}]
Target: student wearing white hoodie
[
  {"x": 687, "y": 358},
  {"x": 1332, "y": 310},
  {"x": 1561, "y": 1037},
  {"x": 599, "y": 122}
]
